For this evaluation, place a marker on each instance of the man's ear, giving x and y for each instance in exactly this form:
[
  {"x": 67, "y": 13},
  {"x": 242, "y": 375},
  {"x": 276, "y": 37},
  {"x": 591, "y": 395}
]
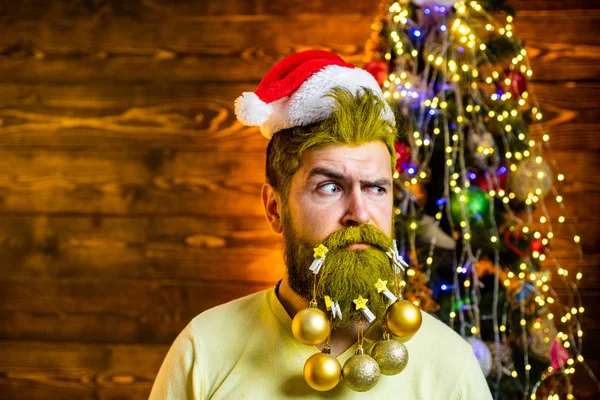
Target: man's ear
[{"x": 272, "y": 204}]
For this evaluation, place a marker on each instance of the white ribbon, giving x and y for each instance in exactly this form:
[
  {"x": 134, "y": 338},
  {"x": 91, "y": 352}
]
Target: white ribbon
[
  {"x": 333, "y": 307},
  {"x": 370, "y": 317},
  {"x": 316, "y": 265},
  {"x": 389, "y": 295},
  {"x": 336, "y": 311},
  {"x": 399, "y": 264}
]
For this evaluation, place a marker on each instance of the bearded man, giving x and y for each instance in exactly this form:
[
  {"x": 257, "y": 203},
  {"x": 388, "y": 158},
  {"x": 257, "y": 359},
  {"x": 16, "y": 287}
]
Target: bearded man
[{"x": 329, "y": 170}]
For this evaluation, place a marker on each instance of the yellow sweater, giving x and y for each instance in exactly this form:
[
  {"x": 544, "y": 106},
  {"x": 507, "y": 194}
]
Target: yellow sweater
[{"x": 245, "y": 350}]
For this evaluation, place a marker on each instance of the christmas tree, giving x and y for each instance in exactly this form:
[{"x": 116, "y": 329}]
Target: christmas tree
[{"x": 472, "y": 188}]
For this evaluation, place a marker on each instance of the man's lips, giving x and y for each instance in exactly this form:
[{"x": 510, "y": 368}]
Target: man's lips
[{"x": 358, "y": 246}]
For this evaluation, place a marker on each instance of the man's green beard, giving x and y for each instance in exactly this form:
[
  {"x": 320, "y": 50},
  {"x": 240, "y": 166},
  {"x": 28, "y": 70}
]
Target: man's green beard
[{"x": 345, "y": 274}]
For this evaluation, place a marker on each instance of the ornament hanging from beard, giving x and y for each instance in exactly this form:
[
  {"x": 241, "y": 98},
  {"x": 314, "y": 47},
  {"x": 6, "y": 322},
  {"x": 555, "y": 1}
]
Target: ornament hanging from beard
[{"x": 348, "y": 272}]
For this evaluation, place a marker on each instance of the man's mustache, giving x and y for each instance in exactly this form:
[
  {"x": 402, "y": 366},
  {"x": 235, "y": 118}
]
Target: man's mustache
[{"x": 367, "y": 234}]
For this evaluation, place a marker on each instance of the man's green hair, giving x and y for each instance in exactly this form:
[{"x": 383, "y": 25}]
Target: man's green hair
[{"x": 357, "y": 120}]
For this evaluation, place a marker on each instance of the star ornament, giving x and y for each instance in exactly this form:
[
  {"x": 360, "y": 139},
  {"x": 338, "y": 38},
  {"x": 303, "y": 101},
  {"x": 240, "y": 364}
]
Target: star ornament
[
  {"x": 381, "y": 286},
  {"x": 320, "y": 251},
  {"x": 361, "y": 304}
]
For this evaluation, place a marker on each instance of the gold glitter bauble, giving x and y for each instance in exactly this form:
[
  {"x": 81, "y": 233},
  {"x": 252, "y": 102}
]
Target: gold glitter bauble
[
  {"x": 404, "y": 318},
  {"x": 322, "y": 371},
  {"x": 310, "y": 326},
  {"x": 360, "y": 373},
  {"x": 390, "y": 355}
]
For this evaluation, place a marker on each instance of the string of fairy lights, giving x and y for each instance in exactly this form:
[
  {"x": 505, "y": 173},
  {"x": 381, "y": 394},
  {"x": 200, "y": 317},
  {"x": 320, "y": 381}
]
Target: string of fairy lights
[{"x": 442, "y": 60}]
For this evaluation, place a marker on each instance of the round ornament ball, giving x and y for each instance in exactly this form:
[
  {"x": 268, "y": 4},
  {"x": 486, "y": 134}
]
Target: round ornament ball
[
  {"x": 482, "y": 353},
  {"x": 310, "y": 326},
  {"x": 361, "y": 373},
  {"x": 513, "y": 82},
  {"x": 475, "y": 200},
  {"x": 538, "y": 245},
  {"x": 529, "y": 177},
  {"x": 496, "y": 181},
  {"x": 403, "y": 318},
  {"x": 391, "y": 356},
  {"x": 480, "y": 180},
  {"x": 378, "y": 69},
  {"x": 403, "y": 156},
  {"x": 322, "y": 371}
]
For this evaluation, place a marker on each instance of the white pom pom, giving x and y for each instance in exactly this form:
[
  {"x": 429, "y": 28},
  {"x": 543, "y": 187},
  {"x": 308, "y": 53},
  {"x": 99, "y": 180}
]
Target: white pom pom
[{"x": 252, "y": 111}]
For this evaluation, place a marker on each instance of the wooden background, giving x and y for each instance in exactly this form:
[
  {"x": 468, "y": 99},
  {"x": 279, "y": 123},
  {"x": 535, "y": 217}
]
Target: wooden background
[{"x": 129, "y": 195}]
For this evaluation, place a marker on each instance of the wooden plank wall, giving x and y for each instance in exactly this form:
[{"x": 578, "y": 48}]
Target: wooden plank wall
[{"x": 129, "y": 195}]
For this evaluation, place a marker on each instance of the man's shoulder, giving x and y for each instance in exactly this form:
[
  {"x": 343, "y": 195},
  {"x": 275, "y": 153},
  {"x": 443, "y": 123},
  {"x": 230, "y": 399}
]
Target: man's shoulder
[
  {"x": 229, "y": 315},
  {"x": 436, "y": 335},
  {"x": 448, "y": 354}
]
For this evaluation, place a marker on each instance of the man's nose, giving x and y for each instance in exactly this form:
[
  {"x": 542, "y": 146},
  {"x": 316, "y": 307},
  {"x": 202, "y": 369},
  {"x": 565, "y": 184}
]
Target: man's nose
[{"x": 356, "y": 209}]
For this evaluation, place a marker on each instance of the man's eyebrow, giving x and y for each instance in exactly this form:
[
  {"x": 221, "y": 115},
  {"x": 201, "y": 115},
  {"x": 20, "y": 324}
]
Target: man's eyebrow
[
  {"x": 325, "y": 172},
  {"x": 336, "y": 175},
  {"x": 378, "y": 182}
]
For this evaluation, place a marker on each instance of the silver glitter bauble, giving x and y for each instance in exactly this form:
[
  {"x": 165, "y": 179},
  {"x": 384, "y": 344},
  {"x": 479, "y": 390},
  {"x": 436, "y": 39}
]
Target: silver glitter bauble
[
  {"x": 390, "y": 355},
  {"x": 360, "y": 372},
  {"x": 531, "y": 179}
]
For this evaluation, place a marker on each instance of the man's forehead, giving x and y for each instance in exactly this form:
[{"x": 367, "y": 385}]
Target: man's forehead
[{"x": 366, "y": 159}]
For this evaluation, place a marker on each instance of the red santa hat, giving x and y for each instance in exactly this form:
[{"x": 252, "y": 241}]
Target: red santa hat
[{"x": 293, "y": 92}]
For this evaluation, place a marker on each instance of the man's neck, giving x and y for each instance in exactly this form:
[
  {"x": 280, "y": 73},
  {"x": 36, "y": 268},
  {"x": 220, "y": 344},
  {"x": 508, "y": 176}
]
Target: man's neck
[{"x": 341, "y": 339}]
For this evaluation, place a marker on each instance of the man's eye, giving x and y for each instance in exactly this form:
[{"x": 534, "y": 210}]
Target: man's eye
[
  {"x": 329, "y": 188},
  {"x": 377, "y": 189}
]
